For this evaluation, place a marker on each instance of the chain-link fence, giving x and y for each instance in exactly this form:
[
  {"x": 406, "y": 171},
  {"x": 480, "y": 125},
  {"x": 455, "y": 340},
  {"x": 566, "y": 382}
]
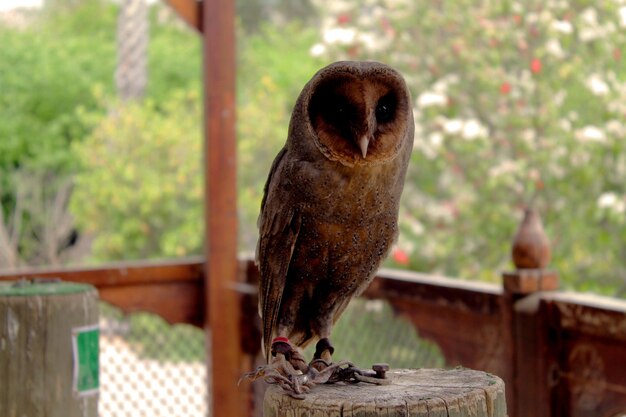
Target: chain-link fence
[
  {"x": 368, "y": 333},
  {"x": 150, "y": 368}
]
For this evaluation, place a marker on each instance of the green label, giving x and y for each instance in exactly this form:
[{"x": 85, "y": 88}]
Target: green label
[{"x": 86, "y": 365}]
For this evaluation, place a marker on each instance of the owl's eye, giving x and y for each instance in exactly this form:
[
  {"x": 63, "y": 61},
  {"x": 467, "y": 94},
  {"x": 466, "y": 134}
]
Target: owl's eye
[
  {"x": 339, "y": 107},
  {"x": 385, "y": 109}
]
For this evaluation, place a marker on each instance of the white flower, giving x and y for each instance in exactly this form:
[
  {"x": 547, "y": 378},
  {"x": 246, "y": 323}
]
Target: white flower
[
  {"x": 615, "y": 127},
  {"x": 317, "y": 50},
  {"x": 417, "y": 227},
  {"x": 587, "y": 35},
  {"x": 559, "y": 97},
  {"x": 553, "y": 47},
  {"x": 504, "y": 168},
  {"x": 622, "y": 16},
  {"x": 435, "y": 139},
  {"x": 431, "y": 99},
  {"x": 611, "y": 201},
  {"x": 589, "y": 16},
  {"x": 453, "y": 126},
  {"x": 565, "y": 124},
  {"x": 469, "y": 129},
  {"x": 591, "y": 29},
  {"x": 590, "y": 134},
  {"x": 597, "y": 85},
  {"x": 344, "y": 36},
  {"x": 442, "y": 84},
  {"x": 529, "y": 136},
  {"x": 562, "y": 26},
  {"x": 473, "y": 129},
  {"x": 607, "y": 200},
  {"x": 373, "y": 42}
]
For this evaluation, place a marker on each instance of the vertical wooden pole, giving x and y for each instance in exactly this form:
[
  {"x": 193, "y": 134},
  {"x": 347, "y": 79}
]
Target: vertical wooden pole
[
  {"x": 530, "y": 254},
  {"x": 221, "y": 208}
]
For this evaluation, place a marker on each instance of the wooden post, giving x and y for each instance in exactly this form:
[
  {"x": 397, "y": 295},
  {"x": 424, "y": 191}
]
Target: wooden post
[
  {"x": 222, "y": 300},
  {"x": 530, "y": 252},
  {"x": 411, "y": 393},
  {"x": 48, "y": 350}
]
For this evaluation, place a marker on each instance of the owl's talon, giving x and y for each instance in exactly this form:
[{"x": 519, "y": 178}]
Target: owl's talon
[
  {"x": 282, "y": 346},
  {"x": 323, "y": 349},
  {"x": 319, "y": 364}
]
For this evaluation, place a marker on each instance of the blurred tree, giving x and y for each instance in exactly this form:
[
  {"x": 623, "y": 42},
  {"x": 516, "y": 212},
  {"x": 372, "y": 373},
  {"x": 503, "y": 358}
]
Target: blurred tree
[
  {"x": 273, "y": 66},
  {"x": 131, "y": 73},
  {"x": 512, "y": 100},
  {"x": 253, "y": 14},
  {"x": 140, "y": 188},
  {"x": 56, "y": 68},
  {"x": 46, "y": 70}
]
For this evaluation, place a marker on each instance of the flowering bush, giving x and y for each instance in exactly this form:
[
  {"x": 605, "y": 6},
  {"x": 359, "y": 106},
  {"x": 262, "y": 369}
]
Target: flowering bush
[{"x": 516, "y": 103}]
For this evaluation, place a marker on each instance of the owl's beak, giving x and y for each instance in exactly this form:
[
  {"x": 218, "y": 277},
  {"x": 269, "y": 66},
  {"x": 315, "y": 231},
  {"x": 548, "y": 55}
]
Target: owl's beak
[{"x": 364, "y": 142}]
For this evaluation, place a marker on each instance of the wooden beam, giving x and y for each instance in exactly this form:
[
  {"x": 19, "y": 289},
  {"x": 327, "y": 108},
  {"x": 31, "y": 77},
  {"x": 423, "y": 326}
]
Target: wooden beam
[
  {"x": 188, "y": 10},
  {"x": 172, "y": 289},
  {"x": 222, "y": 300}
]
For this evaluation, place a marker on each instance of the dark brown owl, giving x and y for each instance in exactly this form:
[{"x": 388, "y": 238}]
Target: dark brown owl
[{"x": 330, "y": 210}]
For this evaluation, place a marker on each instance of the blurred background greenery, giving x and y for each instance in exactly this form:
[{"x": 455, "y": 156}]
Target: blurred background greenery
[{"x": 514, "y": 101}]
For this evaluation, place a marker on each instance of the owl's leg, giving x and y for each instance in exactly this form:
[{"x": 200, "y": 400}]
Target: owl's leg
[
  {"x": 288, "y": 369},
  {"x": 286, "y": 362},
  {"x": 322, "y": 358},
  {"x": 281, "y": 346}
]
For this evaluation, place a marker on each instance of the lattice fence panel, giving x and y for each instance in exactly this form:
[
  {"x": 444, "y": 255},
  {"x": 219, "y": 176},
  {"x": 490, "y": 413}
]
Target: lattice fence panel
[{"x": 149, "y": 368}]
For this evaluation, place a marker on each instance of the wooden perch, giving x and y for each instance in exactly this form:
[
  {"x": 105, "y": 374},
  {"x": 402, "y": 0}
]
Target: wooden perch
[{"x": 411, "y": 393}]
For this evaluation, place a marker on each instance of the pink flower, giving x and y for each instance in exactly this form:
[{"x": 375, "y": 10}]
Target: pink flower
[
  {"x": 535, "y": 66},
  {"x": 343, "y": 19},
  {"x": 505, "y": 88},
  {"x": 400, "y": 256}
]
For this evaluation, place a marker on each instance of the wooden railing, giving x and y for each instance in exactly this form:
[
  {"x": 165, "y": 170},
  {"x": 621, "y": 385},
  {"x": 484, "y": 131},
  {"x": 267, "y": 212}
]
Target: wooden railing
[{"x": 561, "y": 354}]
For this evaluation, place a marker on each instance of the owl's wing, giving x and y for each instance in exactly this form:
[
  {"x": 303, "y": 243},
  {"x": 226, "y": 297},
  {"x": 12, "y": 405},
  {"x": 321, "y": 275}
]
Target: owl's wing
[{"x": 279, "y": 225}]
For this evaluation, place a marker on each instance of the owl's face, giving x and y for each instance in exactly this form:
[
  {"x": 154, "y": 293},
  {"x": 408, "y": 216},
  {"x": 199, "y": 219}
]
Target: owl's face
[{"x": 360, "y": 115}]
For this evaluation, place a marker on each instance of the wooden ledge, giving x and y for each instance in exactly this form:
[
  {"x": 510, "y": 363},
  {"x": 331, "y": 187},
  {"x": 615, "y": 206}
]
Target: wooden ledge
[
  {"x": 412, "y": 393},
  {"x": 526, "y": 281}
]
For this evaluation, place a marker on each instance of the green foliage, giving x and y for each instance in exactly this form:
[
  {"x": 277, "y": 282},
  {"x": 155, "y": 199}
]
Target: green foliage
[
  {"x": 174, "y": 55},
  {"x": 513, "y": 102},
  {"x": 45, "y": 72},
  {"x": 56, "y": 72},
  {"x": 139, "y": 190},
  {"x": 516, "y": 103},
  {"x": 273, "y": 66},
  {"x": 141, "y": 180},
  {"x": 48, "y": 67},
  {"x": 254, "y": 14}
]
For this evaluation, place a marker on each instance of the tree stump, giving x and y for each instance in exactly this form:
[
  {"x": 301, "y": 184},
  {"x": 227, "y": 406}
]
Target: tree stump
[
  {"x": 411, "y": 393},
  {"x": 48, "y": 349}
]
